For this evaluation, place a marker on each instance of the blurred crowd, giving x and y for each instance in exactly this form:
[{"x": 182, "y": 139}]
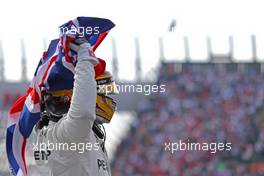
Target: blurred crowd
[
  {"x": 3, "y": 163},
  {"x": 7, "y": 99},
  {"x": 200, "y": 104}
]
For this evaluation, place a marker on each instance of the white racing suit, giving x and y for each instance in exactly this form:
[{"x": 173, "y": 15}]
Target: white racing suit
[{"x": 75, "y": 129}]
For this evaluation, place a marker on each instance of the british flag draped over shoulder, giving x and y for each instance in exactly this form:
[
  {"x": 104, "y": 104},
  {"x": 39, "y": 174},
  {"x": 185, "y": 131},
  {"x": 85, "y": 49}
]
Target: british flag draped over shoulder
[{"x": 55, "y": 71}]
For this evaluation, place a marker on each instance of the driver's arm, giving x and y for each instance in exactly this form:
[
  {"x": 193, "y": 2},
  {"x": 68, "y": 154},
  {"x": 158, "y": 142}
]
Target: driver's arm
[{"x": 81, "y": 115}]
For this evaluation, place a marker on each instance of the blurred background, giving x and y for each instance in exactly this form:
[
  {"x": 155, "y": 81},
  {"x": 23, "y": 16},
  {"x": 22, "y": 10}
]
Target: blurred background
[{"x": 209, "y": 54}]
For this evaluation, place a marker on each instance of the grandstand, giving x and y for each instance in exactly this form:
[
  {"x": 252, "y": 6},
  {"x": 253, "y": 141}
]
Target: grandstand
[
  {"x": 218, "y": 101},
  {"x": 202, "y": 103},
  {"x": 215, "y": 101}
]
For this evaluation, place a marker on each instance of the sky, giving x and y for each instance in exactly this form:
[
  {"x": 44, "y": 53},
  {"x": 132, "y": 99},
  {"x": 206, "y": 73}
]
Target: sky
[{"x": 33, "y": 21}]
